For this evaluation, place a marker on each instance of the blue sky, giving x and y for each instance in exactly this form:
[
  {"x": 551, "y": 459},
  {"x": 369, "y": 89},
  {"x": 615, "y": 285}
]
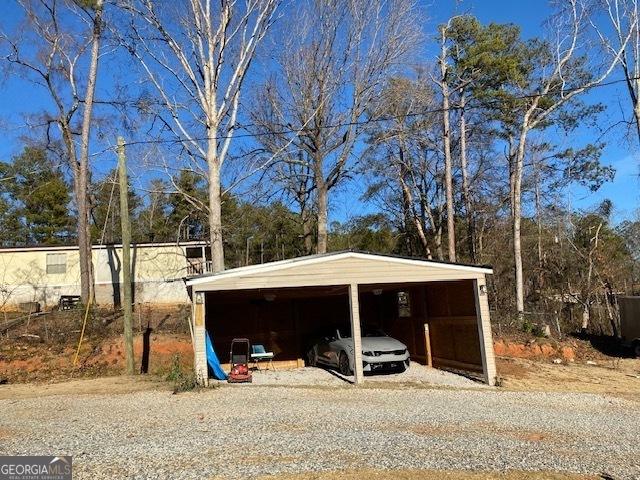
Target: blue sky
[{"x": 19, "y": 98}]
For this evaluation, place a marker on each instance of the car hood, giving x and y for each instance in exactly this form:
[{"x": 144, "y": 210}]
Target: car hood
[{"x": 383, "y": 344}]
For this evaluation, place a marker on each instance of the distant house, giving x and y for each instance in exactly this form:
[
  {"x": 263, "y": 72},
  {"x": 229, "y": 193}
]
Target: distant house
[{"x": 44, "y": 274}]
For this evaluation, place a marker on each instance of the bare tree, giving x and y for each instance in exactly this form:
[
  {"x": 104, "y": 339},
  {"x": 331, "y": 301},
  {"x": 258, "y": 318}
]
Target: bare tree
[
  {"x": 197, "y": 59},
  {"x": 51, "y": 50},
  {"x": 296, "y": 179},
  {"x": 336, "y": 58},
  {"x": 404, "y": 160},
  {"x": 443, "y": 83},
  {"x": 621, "y": 34},
  {"x": 558, "y": 75}
]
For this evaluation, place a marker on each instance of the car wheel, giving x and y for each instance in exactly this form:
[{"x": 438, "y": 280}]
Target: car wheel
[
  {"x": 311, "y": 358},
  {"x": 636, "y": 349},
  {"x": 343, "y": 364}
]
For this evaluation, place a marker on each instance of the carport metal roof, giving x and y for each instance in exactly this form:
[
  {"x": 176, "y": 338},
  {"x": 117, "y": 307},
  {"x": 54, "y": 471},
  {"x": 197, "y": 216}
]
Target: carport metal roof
[{"x": 336, "y": 268}]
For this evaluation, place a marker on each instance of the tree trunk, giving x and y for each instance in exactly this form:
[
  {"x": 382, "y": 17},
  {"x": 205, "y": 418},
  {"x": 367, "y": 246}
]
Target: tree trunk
[
  {"x": 446, "y": 140},
  {"x": 539, "y": 225},
  {"x": 438, "y": 242},
  {"x": 612, "y": 311},
  {"x": 322, "y": 216},
  {"x": 480, "y": 240},
  {"x": 81, "y": 183},
  {"x": 516, "y": 201},
  {"x": 407, "y": 200},
  {"x": 84, "y": 240},
  {"x": 633, "y": 86},
  {"x": 307, "y": 230},
  {"x": 466, "y": 189},
  {"x": 586, "y": 317},
  {"x": 215, "y": 206},
  {"x": 80, "y": 195},
  {"x": 636, "y": 114}
]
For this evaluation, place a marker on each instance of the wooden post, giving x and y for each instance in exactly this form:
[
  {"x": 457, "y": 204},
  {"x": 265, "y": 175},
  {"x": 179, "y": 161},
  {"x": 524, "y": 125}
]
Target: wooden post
[
  {"x": 199, "y": 333},
  {"x": 427, "y": 345},
  {"x": 354, "y": 304},
  {"x": 427, "y": 335},
  {"x": 126, "y": 257},
  {"x": 484, "y": 331}
]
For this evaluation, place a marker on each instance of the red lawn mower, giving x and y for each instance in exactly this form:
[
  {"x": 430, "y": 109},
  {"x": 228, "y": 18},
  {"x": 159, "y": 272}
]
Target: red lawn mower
[{"x": 239, "y": 360}]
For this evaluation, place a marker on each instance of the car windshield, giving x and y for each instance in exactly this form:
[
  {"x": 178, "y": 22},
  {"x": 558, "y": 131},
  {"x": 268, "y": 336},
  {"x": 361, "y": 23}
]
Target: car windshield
[
  {"x": 373, "y": 332},
  {"x": 344, "y": 332}
]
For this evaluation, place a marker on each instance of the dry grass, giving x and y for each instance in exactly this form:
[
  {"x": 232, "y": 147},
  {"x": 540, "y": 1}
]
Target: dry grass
[
  {"x": 99, "y": 386},
  {"x": 527, "y": 375},
  {"x": 362, "y": 474}
]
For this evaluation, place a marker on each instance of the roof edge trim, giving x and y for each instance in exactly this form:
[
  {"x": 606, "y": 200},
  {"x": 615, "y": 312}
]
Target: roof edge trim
[{"x": 312, "y": 259}]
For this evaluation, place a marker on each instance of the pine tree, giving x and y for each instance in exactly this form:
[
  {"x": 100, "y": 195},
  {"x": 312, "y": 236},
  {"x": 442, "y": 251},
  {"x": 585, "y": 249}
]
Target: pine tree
[{"x": 37, "y": 199}]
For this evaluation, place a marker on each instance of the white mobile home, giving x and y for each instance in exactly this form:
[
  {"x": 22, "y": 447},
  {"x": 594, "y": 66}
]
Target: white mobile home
[{"x": 44, "y": 274}]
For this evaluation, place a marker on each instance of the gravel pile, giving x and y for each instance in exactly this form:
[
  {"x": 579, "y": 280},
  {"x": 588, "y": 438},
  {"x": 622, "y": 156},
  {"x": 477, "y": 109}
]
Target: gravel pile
[
  {"x": 240, "y": 432},
  {"x": 415, "y": 374}
]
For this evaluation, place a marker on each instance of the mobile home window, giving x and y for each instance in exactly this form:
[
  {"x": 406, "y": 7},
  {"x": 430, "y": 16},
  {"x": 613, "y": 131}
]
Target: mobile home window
[{"x": 56, "y": 263}]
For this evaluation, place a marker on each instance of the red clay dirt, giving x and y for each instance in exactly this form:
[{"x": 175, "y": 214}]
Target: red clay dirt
[{"x": 40, "y": 362}]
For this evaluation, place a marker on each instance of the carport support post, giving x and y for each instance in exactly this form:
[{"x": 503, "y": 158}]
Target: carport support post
[
  {"x": 484, "y": 331},
  {"x": 356, "y": 335},
  {"x": 199, "y": 331}
]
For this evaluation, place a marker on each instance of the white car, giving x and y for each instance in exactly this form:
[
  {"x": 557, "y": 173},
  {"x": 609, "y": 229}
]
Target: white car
[{"x": 380, "y": 353}]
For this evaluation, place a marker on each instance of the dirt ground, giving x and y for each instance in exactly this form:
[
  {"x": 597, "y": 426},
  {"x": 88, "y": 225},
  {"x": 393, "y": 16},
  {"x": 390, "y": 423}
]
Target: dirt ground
[
  {"x": 621, "y": 379},
  {"x": 28, "y": 360},
  {"x": 587, "y": 365},
  {"x": 25, "y": 362},
  {"x": 85, "y": 386},
  {"x": 103, "y": 360},
  {"x": 43, "y": 349},
  {"x": 42, "y": 352}
]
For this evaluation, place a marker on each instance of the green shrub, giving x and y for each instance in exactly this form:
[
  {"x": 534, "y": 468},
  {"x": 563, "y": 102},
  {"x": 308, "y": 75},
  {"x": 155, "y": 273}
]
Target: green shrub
[
  {"x": 183, "y": 381},
  {"x": 537, "y": 330},
  {"x": 527, "y": 326}
]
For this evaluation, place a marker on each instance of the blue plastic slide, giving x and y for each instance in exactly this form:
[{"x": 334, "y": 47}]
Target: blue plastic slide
[{"x": 212, "y": 360}]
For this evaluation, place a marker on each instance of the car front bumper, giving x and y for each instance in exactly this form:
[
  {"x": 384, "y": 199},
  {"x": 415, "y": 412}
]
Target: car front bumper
[{"x": 387, "y": 362}]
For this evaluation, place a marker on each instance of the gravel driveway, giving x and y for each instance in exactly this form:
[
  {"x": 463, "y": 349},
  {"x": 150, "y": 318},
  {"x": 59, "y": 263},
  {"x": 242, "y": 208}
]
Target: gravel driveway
[
  {"x": 244, "y": 431},
  {"x": 416, "y": 374}
]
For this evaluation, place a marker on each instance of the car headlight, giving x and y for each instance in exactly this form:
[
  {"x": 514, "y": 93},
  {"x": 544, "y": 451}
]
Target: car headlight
[{"x": 368, "y": 354}]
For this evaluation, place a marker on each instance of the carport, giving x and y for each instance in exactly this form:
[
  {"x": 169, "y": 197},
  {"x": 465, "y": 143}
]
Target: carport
[{"x": 438, "y": 309}]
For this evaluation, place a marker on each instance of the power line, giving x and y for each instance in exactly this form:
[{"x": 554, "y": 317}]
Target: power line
[{"x": 361, "y": 122}]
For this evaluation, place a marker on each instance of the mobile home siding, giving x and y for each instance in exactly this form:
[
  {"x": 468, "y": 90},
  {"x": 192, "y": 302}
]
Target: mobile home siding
[{"x": 26, "y": 275}]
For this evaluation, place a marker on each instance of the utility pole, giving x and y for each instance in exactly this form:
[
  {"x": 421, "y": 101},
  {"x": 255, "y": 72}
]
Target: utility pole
[{"x": 126, "y": 257}]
